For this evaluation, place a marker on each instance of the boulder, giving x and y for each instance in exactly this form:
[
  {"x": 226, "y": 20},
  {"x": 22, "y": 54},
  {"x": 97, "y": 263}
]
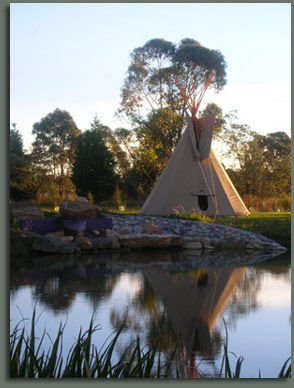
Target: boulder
[
  {"x": 176, "y": 241},
  {"x": 84, "y": 243},
  {"x": 26, "y": 234},
  {"x": 81, "y": 200},
  {"x": 27, "y": 212},
  {"x": 56, "y": 234},
  {"x": 148, "y": 228},
  {"x": 194, "y": 245},
  {"x": 76, "y": 209},
  {"x": 67, "y": 238},
  {"x": 125, "y": 230},
  {"x": 150, "y": 241},
  {"x": 114, "y": 237},
  {"x": 53, "y": 244},
  {"x": 102, "y": 242},
  {"x": 137, "y": 229}
]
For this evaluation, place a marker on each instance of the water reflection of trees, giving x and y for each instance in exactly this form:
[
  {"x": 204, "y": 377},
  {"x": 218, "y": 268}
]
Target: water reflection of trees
[{"x": 56, "y": 281}]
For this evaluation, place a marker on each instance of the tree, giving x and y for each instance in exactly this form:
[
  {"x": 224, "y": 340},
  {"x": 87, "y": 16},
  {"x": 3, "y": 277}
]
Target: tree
[
  {"x": 277, "y": 157},
  {"x": 148, "y": 86},
  {"x": 163, "y": 75},
  {"x": 54, "y": 146},
  {"x": 22, "y": 186},
  {"x": 219, "y": 122},
  {"x": 163, "y": 81},
  {"x": 93, "y": 168},
  {"x": 260, "y": 165}
]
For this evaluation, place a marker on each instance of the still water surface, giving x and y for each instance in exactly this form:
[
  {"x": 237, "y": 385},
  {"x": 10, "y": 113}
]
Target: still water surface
[{"x": 166, "y": 295}]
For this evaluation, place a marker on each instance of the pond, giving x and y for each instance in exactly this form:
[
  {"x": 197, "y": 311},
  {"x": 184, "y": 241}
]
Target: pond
[{"x": 173, "y": 296}]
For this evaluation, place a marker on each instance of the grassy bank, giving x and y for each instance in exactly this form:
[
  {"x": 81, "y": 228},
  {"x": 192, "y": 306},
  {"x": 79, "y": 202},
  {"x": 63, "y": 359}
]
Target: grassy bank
[
  {"x": 27, "y": 360},
  {"x": 274, "y": 225}
]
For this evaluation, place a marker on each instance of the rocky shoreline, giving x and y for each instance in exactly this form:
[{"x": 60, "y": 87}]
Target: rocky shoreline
[
  {"x": 130, "y": 231},
  {"x": 198, "y": 235},
  {"x": 141, "y": 232}
]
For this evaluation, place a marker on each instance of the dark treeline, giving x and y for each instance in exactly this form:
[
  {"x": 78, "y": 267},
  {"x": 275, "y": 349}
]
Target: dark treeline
[{"x": 120, "y": 166}]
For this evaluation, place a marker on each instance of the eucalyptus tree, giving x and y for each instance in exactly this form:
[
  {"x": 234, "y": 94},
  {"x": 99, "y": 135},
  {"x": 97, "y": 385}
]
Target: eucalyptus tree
[
  {"x": 54, "y": 146},
  {"x": 163, "y": 75},
  {"x": 163, "y": 81}
]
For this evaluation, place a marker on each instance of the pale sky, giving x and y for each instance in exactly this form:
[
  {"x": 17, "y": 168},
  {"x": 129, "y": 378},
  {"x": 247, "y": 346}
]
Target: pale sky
[{"x": 74, "y": 56}]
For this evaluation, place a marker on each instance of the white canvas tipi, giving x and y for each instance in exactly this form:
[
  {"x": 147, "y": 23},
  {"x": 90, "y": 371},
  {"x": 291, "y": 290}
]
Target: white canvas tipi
[{"x": 194, "y": 181}]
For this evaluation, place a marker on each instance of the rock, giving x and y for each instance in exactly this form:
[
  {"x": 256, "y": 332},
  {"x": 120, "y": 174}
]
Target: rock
[
  {"x": 195, "y": 245},
  {"x": 114, "y": 237},
  {"x": 81, "y": 200},
  {"x": 77, "y": 209},
  {"x": 148, "y": 228},
  {"x": 124, "y": 230},
  {"x": 150, "y": 241},
  {"x": 205, "y": 240},
  {"x": 25, "y": 234},
  {"x": 138, "y": 229},
  {"x": 79, "y": 234},
  {"x": 53, "y": 244},
  {"x": 102, "y": 242},
  {"x": 111, "y": 233},
  {"x": 26, "y": 212},
  {"x": 56, "y": 234},
  {"x": 115, "y": 243},
  {"x": 84, "y": 243},
  {"x": 176, "y": 241},
  {"x": 67, "y": 238},
  {"x": 190, "y": 239}
]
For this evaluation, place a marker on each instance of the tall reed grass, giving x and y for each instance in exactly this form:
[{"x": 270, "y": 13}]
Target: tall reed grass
[{"x": 27, "y": 360}]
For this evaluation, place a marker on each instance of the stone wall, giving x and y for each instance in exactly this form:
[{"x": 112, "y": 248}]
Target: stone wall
[{"x": 198, "y": 234}]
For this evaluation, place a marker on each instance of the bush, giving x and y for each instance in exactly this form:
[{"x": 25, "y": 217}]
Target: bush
[{"x": 255, "y": 203}]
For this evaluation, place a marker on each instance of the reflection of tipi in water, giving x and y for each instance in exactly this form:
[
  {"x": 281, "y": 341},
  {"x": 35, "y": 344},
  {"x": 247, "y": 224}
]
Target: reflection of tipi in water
[{"x": 194, "y": 301}]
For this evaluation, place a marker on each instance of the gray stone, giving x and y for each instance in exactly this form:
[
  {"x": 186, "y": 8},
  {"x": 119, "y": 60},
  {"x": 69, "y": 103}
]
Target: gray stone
[
  {"x": 84, "y": 243},
  {"x": 138, "y": 229},
  {"x": 195, "y": 245},
  {"x": 148, "y": 228},
  {"x": 56, "y": 234},
  {"x": 53, "y": 244},
  {"x": 27, "y": 234},
  {"x": 150, "y": 241},
  {"x": 102, "y": 242},
  {"x": 67, "y": 238},
  {"x": 124, "y": 230},
  {"x": 81, "y": 200},
  {"x": 190, "y": 233},
  {"x": 73, "y": 209},
  {"x": 205, "y": 240}
]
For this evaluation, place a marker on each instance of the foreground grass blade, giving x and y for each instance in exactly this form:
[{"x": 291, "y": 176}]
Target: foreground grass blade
[{"x": 286, "y": 373}]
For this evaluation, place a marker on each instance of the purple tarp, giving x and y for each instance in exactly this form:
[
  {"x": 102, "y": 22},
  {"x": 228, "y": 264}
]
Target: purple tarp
[{"x": 50, "y": 225}]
